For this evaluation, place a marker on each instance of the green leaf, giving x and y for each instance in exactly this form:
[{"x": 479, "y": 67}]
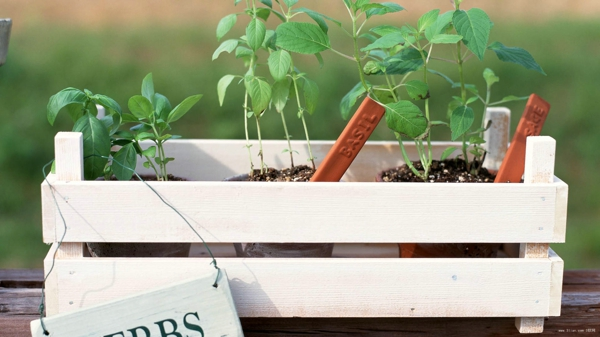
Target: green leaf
[
  {"x": 75, "y": 110},
  {"x": 359, "y": 4},
  {"x": 279, "y": 64},
  {"x": 407, "y": 119},
  {"x": 381, "y": 8},
  {"x": 472, "y": 99},
  {"x": 311, "y": 95},
  {"x": 461, "y": 120},
  {"x": 384, "y": 96},
  {"x": 349, "y": 100},
  {"x": 385, "y": 42},
  {"x": 406, "y": 61},
  {"x": 140, "y": 106},
  {"x": 374, "y": 68},
  {"x": 475, "y": 26},
  {"x": 384, "y": 30},
  {"x": 226, "y": 46},
  {"x": 96, "y": 144},
  {"x": 125, "y": 135},
  {"x": 302, "y": 38},
  {"x": 162, "y": 106},
  {"x": 263, "y": 13},
  {"x": 269, "y": 42},
  {"x": 428, "y": 19},
  {"x": 222, "y": 87},
  {"x": 417, "y": 89},
  {"x": 62, "y": 99},
  {"x": 280, "y": 94},
  {"x": 446, "y": 38},
  {"x": 290, "y": 3},
  {"x": 490, "y": 77},
  {"x": 318, "y": 18},
  {"x": 510, "y": 98},
  {"x": 182, "y": 108},
  {"x": 260, "y": 93},
  {"x": 440, "y": 25},
  {"x": 515, "y": 55},
  {"x": 148, "y": 87},
  {"x": 129, "y": 118},
  {"x": 145, "y": 135},
  {"x": 255, "y": 34},
  {"x": 225, "y": 25},
  {"x": 447, "y": 152},
  {"x": 108, "y": 103},
  {"x": 476, "y": 140},
  {"x": 320, "y": 60},
  {"x": 124, "y": 162},
  {"x": 268, "y": 3}
]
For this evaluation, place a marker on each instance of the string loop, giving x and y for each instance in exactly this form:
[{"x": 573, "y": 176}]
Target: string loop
[{"x": 41, "y": 306}]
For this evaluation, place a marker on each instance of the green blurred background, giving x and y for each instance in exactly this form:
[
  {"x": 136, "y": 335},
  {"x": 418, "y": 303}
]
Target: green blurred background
[{"x": 109, "y": 46}]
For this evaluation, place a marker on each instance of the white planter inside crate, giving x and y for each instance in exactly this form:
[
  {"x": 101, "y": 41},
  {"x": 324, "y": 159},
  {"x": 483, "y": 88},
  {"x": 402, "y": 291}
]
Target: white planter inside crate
[{"x": 351, "y": 214}]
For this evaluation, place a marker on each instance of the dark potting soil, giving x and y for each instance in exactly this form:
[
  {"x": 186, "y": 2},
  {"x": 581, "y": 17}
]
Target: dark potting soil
[
  {"x": 296, "y": 173},
  {"x": 447, "y": 171}
]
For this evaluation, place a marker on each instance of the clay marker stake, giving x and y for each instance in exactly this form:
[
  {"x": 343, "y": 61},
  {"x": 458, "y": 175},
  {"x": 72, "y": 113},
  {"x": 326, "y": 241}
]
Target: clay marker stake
[
  {"x": 352, "y": 139},
  {"x": 531, "y": 123}
]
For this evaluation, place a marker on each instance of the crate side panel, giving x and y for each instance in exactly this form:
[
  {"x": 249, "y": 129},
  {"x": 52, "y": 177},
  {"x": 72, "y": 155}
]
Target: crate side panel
[
  {"x": 307, "y": 212},
  {"x": 330, "y": 287}
]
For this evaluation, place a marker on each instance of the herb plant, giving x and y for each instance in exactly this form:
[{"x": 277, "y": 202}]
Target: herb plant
[
  {"x": 288, "y": 80},
  {"x": 153, "y": 113},
  {"x": 394, "y": 54}
]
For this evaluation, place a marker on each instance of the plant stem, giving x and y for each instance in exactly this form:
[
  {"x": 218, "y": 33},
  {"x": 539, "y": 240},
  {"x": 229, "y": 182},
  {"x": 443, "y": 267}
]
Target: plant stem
[
  {"x": 248, "y": 145},
  {"x": 287, "y": 137},
  {"x": 407, "y": 159},
  {"x": 301, "y": 113},
  {"x": 260, "y": 151},
  {"x": 463, "y": 91},
  {"x": 357, "y": 54}
]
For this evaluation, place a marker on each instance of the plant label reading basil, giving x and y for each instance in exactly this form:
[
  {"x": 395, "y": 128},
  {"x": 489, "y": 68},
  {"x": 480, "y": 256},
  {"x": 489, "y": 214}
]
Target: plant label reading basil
[
  {"x": 192, "y": 308},
  {"x": 352, "y": 139}
]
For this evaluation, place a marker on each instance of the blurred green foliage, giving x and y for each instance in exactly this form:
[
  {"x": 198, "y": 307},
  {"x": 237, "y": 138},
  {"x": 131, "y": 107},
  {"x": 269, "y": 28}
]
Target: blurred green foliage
[{"x": 111, "y": 61}]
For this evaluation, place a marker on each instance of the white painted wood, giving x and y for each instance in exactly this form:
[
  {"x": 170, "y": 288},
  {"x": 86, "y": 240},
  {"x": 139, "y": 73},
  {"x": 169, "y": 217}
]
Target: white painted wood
[
  {"x": 70, "y": 250},
  {"x": 496, "y": 137},
  {"x": 306, "y": 212},
  {"x": 68, "y": 154},
  {"x": 353, "y": 287},
  {"x": 562, "y": 200},
  {"x": 101, "y": 111},
  {"x": 530, "y": 324},
  {"x": 189, "y": 308},
  {"x": 539, "y": 160},
  {"x": 49, "y": 211},
  {"x": 51, "y": 284},
  {"x": 558, "y": 267}
]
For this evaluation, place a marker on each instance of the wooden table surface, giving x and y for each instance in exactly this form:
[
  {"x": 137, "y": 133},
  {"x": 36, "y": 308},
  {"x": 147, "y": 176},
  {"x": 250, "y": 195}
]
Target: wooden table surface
[{"x": 20, "y": 298}]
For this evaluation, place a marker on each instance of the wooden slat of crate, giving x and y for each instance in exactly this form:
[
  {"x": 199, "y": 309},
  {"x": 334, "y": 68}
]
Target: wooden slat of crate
[
  {"x": 352, "y": 212},
  {"x": 352, "y": 287}
]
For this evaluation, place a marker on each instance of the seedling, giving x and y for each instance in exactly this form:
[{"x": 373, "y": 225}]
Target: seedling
[
  {"x": 395, "y": 54},
  {"x": 153, "y": 113},
  {"x": 288, "y": 80}
]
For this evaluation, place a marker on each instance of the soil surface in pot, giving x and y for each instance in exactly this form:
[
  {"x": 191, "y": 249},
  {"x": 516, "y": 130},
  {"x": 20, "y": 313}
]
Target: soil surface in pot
[
  {"x": 448, "y": 171},
  {"x": 294, "y": 174}
]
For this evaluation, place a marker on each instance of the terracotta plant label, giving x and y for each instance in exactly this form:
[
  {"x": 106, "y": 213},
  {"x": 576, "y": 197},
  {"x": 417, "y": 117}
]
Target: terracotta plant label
[
  {"x": 190, "y": 308},
  {"x": 513, "y": 165},
  {"x": 352, "y": 139}
]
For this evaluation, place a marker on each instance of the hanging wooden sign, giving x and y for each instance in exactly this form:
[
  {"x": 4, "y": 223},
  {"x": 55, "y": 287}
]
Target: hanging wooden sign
[{"x": 191, "y": 308}]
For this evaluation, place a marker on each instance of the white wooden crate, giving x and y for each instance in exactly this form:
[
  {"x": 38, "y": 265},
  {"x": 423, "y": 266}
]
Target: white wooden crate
[{"x": 355, "y": 213}]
